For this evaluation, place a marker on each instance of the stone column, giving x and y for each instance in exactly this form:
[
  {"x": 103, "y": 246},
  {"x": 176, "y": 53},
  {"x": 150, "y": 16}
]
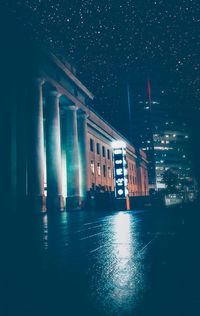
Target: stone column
[
  {"x": 36, "y": 146},
  {"x": 72, "y": 154},
  {"x": 83, "y": 153},
  {"x": 53, "y": 152}
]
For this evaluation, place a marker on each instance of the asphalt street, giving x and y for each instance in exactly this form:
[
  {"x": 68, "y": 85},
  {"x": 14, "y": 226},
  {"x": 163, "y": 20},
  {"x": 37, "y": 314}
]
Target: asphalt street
[{"x": 102, "y": 263}]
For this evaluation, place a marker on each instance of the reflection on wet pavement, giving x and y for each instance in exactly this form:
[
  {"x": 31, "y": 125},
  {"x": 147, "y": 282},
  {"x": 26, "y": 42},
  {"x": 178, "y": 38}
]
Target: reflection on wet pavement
[{"x": 117, "y": 263}]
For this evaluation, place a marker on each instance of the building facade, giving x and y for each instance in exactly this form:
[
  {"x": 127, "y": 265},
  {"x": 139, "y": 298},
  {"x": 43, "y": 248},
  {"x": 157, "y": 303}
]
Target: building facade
[
  {"x": 101, "y": 135},
  {"x": 58, "y": 148},
  {"x": 168, "y": 132}
]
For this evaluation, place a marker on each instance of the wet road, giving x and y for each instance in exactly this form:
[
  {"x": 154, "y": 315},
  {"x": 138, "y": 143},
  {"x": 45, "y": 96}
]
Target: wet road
[{"x": 117, "y": 263}]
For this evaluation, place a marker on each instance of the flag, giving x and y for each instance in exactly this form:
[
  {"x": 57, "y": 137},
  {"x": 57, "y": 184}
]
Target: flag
[{"x": 149, "y": 90}]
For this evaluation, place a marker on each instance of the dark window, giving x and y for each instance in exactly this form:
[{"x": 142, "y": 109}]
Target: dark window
[
  {"x": 108, "y": 154},
  {"x": 104, "y": 170},
  {"x": 91, "y": 144},
  {"x": 98, "y": 148},
  {"x": 103, "y": 151}
]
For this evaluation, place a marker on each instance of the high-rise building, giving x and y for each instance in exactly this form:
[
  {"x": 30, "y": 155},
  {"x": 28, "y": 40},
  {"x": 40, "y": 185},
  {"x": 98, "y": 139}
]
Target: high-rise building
[{"x": 163, "y": 134}]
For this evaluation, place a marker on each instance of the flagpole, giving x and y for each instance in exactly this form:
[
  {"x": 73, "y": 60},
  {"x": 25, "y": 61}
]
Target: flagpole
[
  {"x": 151, "y": 131},
  {"x": 129, "y": 112}
]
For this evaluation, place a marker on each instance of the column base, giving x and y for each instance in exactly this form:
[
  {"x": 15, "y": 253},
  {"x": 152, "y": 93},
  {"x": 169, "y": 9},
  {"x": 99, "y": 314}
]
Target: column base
[
  {"x": 73, "y": 203},
  {"x": 37, "y": 203},
  {"x": 55, "y": 203}
]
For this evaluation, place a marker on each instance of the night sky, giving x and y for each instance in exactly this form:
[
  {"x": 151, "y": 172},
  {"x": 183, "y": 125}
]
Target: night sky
[{"x": 112, "y": 43}]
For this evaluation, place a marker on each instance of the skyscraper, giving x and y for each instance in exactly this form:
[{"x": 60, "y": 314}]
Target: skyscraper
[{"x": 163, "y": 134}]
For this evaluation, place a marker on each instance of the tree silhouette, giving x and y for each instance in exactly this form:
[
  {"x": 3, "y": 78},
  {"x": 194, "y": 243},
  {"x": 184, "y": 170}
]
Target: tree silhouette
[{"x": 170, "y": 178}]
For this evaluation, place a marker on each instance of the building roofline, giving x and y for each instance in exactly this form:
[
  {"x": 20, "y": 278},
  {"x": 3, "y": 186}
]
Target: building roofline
[
  {"x": 86, "y": 107},
  {"x": 68, "y": 72}
]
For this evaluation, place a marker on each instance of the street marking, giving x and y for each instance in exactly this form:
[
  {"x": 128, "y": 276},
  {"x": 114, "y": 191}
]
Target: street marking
[
  {"x": 91, "y": 236},
  {"x": 100, "y": 220},
  {"x": 161, "y": 234},
  {"x": 147, "y": 245},
  {"x": 94, "y": 250},
  {"x": 89, "y": 228}
]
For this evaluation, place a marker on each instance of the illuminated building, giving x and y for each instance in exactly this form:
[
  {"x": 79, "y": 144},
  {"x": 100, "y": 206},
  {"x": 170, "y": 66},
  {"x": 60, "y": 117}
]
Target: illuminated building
[
  {"x": 168, "y": 132},
  {"x": 59, "y": 148}
]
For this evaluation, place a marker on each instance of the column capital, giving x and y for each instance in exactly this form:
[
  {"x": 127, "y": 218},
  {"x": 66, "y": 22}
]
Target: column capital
[
  {"x": 39, "y": 80},
  {"x": 53, "y": 93},
  {"x": 71, "y": 107},
  {"x": 82, "y": 114}
]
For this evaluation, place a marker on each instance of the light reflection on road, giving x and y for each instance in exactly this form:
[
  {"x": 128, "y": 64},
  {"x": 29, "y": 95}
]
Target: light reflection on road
[{"x": 118, "y": 277}]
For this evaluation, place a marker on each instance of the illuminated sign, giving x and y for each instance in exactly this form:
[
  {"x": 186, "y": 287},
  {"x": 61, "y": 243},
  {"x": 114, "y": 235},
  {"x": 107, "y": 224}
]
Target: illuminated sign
[{"x": 120, "y": 169}]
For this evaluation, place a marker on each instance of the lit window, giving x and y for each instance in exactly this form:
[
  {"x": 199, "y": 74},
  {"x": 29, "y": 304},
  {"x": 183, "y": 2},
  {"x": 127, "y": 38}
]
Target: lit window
[
  {"x": 174, "y": 135},
  {"x": 98, "y": 168},
  {"x": 92, "y": 166},
  {"x": 109, "y": 172}
]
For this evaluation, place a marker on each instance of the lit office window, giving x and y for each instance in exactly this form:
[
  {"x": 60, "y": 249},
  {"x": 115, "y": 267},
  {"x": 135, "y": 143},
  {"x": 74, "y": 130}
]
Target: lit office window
[
  {"x": 109, "y": 172},
  {"x": 92, "y": 166},
  {"x": 98, "y": 168}
]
